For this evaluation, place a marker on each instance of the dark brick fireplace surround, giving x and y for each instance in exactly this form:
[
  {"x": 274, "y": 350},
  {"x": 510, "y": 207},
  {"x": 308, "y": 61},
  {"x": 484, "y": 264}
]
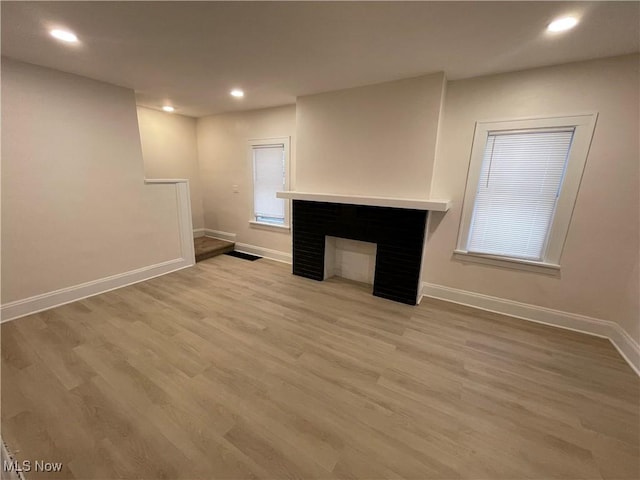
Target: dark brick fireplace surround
[{"x": 398, "y": 233}]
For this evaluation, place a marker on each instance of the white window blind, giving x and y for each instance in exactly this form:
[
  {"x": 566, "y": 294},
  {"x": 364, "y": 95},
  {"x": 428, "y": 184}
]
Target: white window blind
[
  {"x": 520, "y": 180},
  {"x": 268, "y": 178}
]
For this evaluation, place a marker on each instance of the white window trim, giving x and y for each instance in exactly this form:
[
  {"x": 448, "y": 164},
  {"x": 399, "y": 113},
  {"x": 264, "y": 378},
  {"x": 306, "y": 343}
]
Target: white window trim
[
  {"x": 584, "y": 125},
  {"x": 266, "y": 142},
  {"x": 267, "y": 226},
  {"x": 507, "y": 262}
]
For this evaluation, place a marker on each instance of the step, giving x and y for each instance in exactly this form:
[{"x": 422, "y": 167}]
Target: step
[{"x": 207, "y": 247}]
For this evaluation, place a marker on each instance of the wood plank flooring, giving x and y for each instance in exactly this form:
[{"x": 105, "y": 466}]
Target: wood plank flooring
[
  {"x": 234, "y": 369},
  {"x": 207, "y": 247}
]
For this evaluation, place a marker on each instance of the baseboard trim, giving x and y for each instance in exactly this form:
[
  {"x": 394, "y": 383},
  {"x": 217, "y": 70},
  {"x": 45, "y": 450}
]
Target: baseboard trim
[
  {"x": 626, "y": 346},
  {"x": 229, "y": 237},
  {"x": 198, "y": 232},
  {"x": 45, "y": 301},
  {"x": 276, "y": 255},
  {"x": 621, "y": 340}
]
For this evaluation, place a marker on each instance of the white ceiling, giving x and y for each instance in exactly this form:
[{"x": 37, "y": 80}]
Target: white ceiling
[{"x": 192, "y": 53}]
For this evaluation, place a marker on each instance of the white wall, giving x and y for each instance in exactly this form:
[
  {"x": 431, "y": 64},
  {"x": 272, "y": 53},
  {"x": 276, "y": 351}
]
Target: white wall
[
  {"x": 599, "y": 275},
  {"x": 375, "y": 140},
  {"x": 170, "y": 150},
  {"x": 224, "y": 162},
  {"x": 74, "y": 204}
]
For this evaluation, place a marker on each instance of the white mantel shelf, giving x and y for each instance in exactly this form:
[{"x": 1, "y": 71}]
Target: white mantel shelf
[{"x": 412, "y": 203}]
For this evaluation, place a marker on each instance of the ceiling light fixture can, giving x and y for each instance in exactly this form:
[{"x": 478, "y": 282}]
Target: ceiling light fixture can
[
  {"x": 168, "y": 108},
  {"x": 237, "y": 93},
  {"x": 64, "y": 35},
  {"x": 562, "y": 24}
]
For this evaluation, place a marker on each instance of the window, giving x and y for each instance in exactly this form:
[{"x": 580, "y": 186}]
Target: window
[
  {"x": 269, "y": 161},
  {"x": 522, "y": 185}
]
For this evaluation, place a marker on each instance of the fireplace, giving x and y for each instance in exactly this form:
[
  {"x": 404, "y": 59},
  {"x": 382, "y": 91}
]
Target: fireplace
[
  {"x": 395, "y": 225},
  {"x": 397, "y": 232}
]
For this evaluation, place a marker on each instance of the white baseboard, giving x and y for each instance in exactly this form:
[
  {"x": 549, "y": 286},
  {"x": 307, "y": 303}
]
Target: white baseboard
[
  {"x": 45, "y": 301},
  {"x": 198, "y": 232},
  {"x": 229, "y": 237},
  {"x": 276, "y": 255},
  {"x": 628, "y": 348}
]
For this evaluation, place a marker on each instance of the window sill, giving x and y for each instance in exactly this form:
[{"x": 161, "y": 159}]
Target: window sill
[
  {"x": 514, "y": 263},
  {"x": 270, "y": 226}
]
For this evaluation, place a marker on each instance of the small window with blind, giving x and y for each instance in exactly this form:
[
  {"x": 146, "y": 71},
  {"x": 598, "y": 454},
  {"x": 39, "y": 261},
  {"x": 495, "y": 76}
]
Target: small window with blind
[
  {"x": 269, "y": 161},
  {"x": 522, "y": 185}
]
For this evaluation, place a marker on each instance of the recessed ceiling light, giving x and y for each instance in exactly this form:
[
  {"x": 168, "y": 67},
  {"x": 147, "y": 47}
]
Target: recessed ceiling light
[
  {"x": 64, "y": 35},
  {"x": 237, "y": 93},
  {"x": 562, "y": 24},
  {"x": 168, "y": 108}
]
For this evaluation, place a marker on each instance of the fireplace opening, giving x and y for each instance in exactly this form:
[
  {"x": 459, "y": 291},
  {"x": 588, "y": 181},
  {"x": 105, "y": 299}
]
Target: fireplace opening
[{"x": 351, "y": 259}]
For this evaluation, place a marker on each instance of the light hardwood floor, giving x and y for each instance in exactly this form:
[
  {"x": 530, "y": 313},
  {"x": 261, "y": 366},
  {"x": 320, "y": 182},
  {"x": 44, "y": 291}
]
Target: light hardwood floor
[{"x": 235, "y": 369}]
